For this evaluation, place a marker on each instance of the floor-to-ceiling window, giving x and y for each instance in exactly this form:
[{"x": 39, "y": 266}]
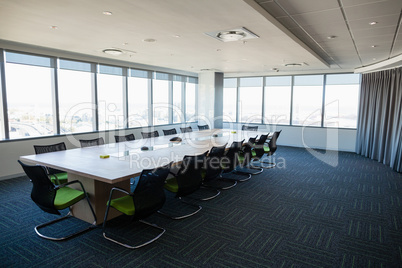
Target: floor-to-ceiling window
[
  {"x": 277, "y": 100},
  {"x": 250, "y": 100},
  {"x": 229, "y": 99},
  {"x": 191, "y": 91},
  {"x": 111, "y": 85},
  {"x": 76, "y": 102},
  {"x": 178, "y": 86},
  {"x": 139, "y": 85},
  {"x": 160, "y": 99},
  {"x": 29, "y": 91}
]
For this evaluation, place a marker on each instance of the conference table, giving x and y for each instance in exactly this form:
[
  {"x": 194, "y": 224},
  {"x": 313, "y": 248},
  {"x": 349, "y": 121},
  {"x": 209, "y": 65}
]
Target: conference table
[{"x": 125, "y": 160}]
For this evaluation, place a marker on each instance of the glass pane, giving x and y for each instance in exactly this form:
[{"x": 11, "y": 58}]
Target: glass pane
[
  {"x": 178, "y": 116},
  {"x": 161, "y": 101},
  {"x": 190, "y": 102},
  {"x": 137, "y": 102},
  {"x": 277, "y": 100},
  {"x": 2, "y": 129},
  {"x": 250, "y": 104},
  {"x": 12, "y": 57},
  {"x": 341, "y": 100},
  {"x": 29, "y": 99},
  {"x": 229, "y": 104},
  {"x": 75, "y": 101},
  {"x": 75, "y": 65},
  {"x": 110, "y": 101},
  {"x": 307, "y": 100}
]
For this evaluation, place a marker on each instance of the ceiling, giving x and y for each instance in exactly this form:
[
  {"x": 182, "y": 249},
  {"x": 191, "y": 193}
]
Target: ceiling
[{"x": 289, "y": 31}]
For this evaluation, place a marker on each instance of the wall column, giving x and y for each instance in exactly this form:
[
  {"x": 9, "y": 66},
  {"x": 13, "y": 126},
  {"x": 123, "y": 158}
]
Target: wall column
[{"x": 210, "y": 99}]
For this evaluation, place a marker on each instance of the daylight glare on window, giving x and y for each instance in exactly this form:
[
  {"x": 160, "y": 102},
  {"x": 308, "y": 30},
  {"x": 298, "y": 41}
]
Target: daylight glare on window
[{"x": 137, "y": 101}]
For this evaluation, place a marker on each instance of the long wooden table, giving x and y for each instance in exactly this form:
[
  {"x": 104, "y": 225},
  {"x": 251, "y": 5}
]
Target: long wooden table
[{"x": 126, "y": 160}]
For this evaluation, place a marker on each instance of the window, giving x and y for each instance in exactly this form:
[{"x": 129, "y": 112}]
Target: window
[
  {"x": 29, "y": 85},
  {"x": 75, "y": 97},
  {"x": 307, "y": 100},
  {"x": 2, "y": 126},
  {"x": 138, "y": 91},
  {"x": 250, "y": 100},
  {"x": 277, "y": 100},
  {"x": 178, "y": 85},
  {"x": 229, "y": 99},
  {"x": 110, "y": 97},
  {"x": 160, "y": 99},
  {"x": 341, "y": 100},
  {"x": 190, "y": 100}
]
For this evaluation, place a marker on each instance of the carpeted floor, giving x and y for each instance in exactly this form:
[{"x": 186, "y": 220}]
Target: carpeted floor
[{"x": 328, "y": 210}]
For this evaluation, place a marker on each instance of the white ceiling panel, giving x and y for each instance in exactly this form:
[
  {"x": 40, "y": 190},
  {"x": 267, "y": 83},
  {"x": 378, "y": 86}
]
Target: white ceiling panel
[
  {"x": 294, "y": 7},
  {"x": 373, "y": 10},
  {"x": 314, "y": 18}
]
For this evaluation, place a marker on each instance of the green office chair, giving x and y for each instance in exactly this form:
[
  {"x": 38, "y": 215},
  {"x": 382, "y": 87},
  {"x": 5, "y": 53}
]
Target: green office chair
[
  {"x": 258, "y": 151},
  {"x": 52, "y": 198},
  {"x": 213, "y": 169},
  {"x": 271, "y": 149},
  {"x": 92, "y": 142},
  {"x": 230, "y": 163},
  {"x": 147, "y": 198},
  {"x": 187, "y": 180},
  {"x": 129, "y": 137},
  {"x": 56, "y": 176},
  {"x": 245, "y": 158}
]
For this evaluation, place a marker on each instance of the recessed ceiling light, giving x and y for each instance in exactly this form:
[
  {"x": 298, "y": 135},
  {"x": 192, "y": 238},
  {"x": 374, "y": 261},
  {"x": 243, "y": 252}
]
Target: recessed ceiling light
[
  {"x": 236, "y": 34},
  {"x": 331, "y": 37},
  {"x": 149, "y": 40},
  {"x": 107, "y": 13},
  {"x": 113, "y": 51},
  {"x": 373, "y": 23},
  {"x": 53, "y": 27},
  {"x": 374, "y": 46},
  {"x": 177, "y": 36}
]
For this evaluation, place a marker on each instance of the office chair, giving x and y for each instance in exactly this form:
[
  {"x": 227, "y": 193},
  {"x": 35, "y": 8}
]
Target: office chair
[
  {"x": 271, "y": 149},
  {"x": 52, "y": 198},
  {"x": 203, "y": 127},
  {"x": 56, "y": 176},
  {"x": 230, "y": 162},
  {"x": 93, "y": 142},
  {"x": 129, "y": 137},
  {"x": 152, "y": 134},
  {"x": 186, "y": 129},
  {"x": 147, "y": 198},
  {"x": 169, "y": 131},
  {"x": 249, "y": 128},
  {"x": 187, "y": 180},
  {"x": 245, "y": 157}
]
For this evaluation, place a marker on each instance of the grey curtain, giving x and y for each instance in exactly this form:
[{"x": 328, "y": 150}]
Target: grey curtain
[{"x": 379, "y": 125}]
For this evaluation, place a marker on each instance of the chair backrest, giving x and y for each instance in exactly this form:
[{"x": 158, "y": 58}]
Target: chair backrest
[
  {"x": 129, "y": 137},
  {"x": 249, "y": 128},
  {"x": 252, "y": 140},
  {"x": 43, "y": 190},
  {"x": 41, "y": 149},
  {"x": 189, "y": 176},
  {"x": 152, "y": 134},
  {"x": 93, "y": 142},
  {"x": 203, "y": 127},
  {"x": 259, "y": 146},
  {"x": 272, "y": 143},
  {"x": 169, "y": 131},
  {"x": 149, "y": 196},
  {"x": 186, "y": 129},
  {"x": 213, "y": 167},
  {"x": 230, "y": 160}
]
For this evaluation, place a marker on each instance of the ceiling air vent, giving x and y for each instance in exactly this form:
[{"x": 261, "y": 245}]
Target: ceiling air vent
[{"x": 236, "y": 34}]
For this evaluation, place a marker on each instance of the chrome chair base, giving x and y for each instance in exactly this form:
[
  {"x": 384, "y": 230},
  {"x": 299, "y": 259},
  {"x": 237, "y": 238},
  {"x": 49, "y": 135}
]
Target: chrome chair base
[
  {"x": 137, "y": 246},
  {"x": 198, "y": 208}
]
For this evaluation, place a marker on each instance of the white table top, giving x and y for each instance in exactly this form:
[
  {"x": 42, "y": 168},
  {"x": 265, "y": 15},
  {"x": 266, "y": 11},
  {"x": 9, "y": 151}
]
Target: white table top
[{"x": 127, "y": 160}]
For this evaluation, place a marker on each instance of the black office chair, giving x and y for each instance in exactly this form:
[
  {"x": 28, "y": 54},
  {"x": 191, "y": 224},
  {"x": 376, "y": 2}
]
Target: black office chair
[
  {"x": 186, "y": 129},
  {"x": 187, "y": 180},
  {"x": 56, "y": 176},
  {"x": 249, "y": 128},
  {"x": 245, "y": 158},
  {"x": 93, "y": 142},
  {"x": 52, "y": 198},
  {"x": 271, "y": 149},
  {"x": 147, "y": 198},
  {"x": 169, "y": 131},
  {"x": 230, "y": 162},
  {"x": 213, "y": 169},
  {"x": 152, "y": 134},
  {"x": 204, "y": 127},
  {"x": 258, "y": 150},
  {"x": 129, "y": 137}
]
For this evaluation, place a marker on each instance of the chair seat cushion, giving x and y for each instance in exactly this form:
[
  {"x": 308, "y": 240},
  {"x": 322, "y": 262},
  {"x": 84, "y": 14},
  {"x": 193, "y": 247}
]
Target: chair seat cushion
[
  {"x": 253, "y": 153},
  {"x": 66, "y": 197},
  {"x": 266, "y": 149},
  {"x": 171, "y": 185},
  {"x": 62, "y": 177},
  {"x": 124, "y": 204}
]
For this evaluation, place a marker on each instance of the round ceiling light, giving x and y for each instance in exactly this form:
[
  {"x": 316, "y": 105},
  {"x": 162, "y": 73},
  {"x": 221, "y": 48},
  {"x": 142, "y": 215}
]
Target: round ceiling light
[
  {"x": 231, "y": 35},
  {"x": 112, "y": 51}
]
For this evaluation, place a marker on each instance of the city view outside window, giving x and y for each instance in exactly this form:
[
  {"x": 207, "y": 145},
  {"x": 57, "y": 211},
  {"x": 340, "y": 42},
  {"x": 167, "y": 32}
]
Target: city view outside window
[
  {"x": 178, "y": 116},
  {"x": 341, "y": 99},
  {"x": 110, "y": 98},
  {"x": 307, "y": 100},
  {"x": 250, "y": 100},
  {"x": 190, "y": 102},
  {"x": 29, "y": 100},
  {"x": 229, "y": 99},
  {"x": 76, "y": 105},
  {"x": 277, "y": 98},
  {"x": 160, "y": 99},
  {"x": 138, "y": 89}
]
